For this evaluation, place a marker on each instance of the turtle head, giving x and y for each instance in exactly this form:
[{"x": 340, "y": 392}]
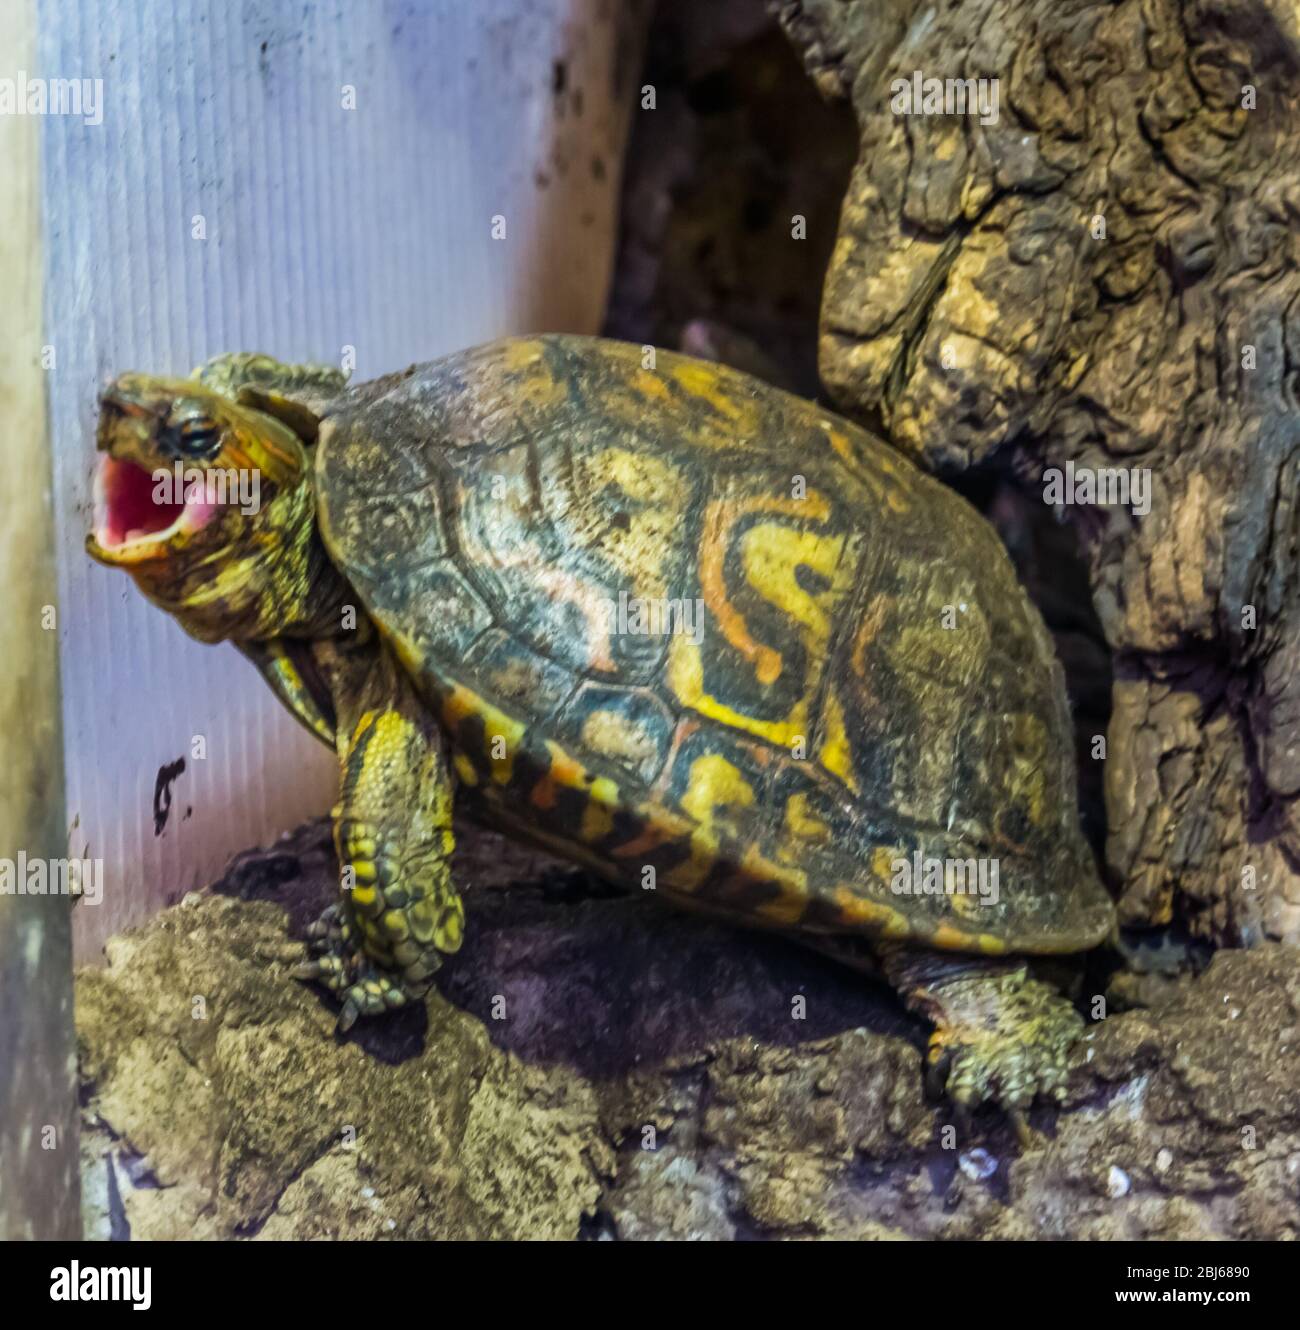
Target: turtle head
[
  {"x": 183, "y": 467},
  {"x": 203, "y": 493}
]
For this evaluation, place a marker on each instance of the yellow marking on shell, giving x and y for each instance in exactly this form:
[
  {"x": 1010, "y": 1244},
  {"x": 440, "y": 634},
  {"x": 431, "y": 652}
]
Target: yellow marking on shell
[
  {"x": 1030, "y": 751},
  {"x": 613, "y": 734},
  {"x": 686, "y": 679},
  {"x": 802, "y": 824},
  {"x": 651, "y": 385},
  {"x": 772, "y": 554},
  {"x": 465, "y": 769},
  {"x": 882, "y": 920},
  {"x": 659, "y": 496},
  {"x": 516, "y": 680},
  {"x": 639, "y": 475},
  {"x": 521, "y": 353},
  {"x": 713, "y": 784},
  {"x": 363, "y": 870},
  {"x": 459, "y": 703},
  {"x": 720, "y": 519},
  {"x": 364, "y": 895},
  {"x": 792, "y": 884},
  {"x": 948, "y": 938},
  {"x": 532, "y": 385},
  {"x": 598, "y": 816},
  {"x": 882, "y": 861},
  {"x": 712, "y": 385},
  {"x": 836, "y": 755},
  {"x": 969, "y": 905}
]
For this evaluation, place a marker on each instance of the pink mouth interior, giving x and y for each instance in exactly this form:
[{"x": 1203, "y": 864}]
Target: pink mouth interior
[{"x": 129, "y": 509}]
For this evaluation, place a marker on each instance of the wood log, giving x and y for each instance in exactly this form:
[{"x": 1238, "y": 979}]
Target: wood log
[{"x": 1096, "y": 264}]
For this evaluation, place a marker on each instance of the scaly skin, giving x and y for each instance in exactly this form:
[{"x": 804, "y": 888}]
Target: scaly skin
[{"x": 399, "y": 911}]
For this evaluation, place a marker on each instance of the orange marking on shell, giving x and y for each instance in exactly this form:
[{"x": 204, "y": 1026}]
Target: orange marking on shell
[
  {"x": 867, "y": 629},
  {"x": 683, "y": 731},
  {"x": 544, "y": 792},
  {"x": 661, "y": 828},
  {"x": 565, "y": 771},
  {"x": 842, "y": 449}
]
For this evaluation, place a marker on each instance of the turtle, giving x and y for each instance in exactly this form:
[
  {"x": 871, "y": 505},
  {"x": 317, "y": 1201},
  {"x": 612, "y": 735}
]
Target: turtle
[{"x": 696, "y": 635}]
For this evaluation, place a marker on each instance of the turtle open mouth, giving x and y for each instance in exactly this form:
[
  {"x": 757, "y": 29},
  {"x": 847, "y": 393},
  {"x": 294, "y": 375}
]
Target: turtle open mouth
[{"x": 137, "y": 512}]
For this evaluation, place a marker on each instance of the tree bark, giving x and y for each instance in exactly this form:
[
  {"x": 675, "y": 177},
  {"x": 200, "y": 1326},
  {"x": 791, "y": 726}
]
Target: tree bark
[{"x": 1105, "y": 274}]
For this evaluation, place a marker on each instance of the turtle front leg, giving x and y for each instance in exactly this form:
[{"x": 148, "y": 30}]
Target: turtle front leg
[
  {"x": 399, "y": 912},
  {"x": 1000, "y": 1036}
]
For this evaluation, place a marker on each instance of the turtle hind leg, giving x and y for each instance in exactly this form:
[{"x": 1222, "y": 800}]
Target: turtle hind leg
[{"x": 1000, "y": 1035}]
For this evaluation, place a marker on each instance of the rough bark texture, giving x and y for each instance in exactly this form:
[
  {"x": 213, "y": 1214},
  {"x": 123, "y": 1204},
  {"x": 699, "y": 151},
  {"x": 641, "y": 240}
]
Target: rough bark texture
[
  {"x": 603, "y": 1067},
  {"x": 973, "y": 311}
]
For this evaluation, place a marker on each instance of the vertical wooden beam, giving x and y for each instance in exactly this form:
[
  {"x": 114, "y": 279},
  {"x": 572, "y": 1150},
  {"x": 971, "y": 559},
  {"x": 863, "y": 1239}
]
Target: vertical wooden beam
[{"x": 39, "y": 1187}]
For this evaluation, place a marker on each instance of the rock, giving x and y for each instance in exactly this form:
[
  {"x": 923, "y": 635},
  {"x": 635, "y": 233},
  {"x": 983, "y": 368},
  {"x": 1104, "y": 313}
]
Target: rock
[{"x": 594, "y": 1065}]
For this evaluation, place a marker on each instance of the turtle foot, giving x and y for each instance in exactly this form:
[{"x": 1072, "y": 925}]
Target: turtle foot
[
  {"x": 365, "y": 987},
  {"x": 1001, "y": 1038}
]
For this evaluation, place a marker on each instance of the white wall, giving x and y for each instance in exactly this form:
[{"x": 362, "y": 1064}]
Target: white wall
[{"x": 326, "y": 228}]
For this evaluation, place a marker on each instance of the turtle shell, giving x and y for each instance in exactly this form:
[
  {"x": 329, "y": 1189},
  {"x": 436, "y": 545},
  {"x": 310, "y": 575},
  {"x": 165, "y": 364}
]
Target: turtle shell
[{"x": 704, "y": 636}]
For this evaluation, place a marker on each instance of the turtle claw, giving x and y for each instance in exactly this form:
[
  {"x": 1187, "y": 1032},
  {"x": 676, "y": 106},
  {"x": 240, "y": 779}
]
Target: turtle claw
[{"x": 338, "y": 963}]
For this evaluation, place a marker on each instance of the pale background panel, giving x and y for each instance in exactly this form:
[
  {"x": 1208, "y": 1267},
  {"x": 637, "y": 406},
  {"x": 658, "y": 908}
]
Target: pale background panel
[{"x": 326, "y": 228}]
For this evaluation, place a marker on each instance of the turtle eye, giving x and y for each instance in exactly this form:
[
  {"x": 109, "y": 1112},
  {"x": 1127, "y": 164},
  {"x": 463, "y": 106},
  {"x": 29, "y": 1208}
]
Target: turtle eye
[{"x": 197, "y": 438}]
